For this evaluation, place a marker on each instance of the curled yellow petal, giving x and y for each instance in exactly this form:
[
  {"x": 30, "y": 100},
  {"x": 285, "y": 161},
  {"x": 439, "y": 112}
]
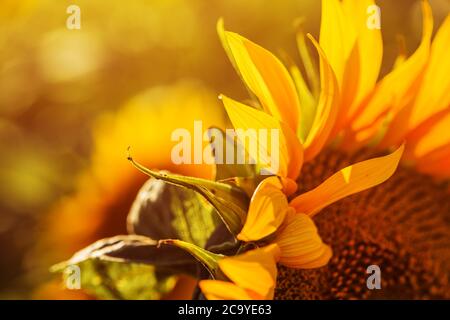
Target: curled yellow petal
[
  {"x": 307, "y": 61},
  {"x": 300, "y": 244},
  {"x": 350, "y": 180},
  {"x": 280, "y": 152},
  {"x": 326, "y": 110},
  {"x": 266, "y": 77},
  {"x": 307, "y": 103},
  {"x": 223, "y": 39},
  {"x": 289, "y": 186},
  {"x": 268, "y": 207},
  {"x": 254, "y": 270},
  {"x": 224, "y": 290},
  {"x": 308, "y": 91}
]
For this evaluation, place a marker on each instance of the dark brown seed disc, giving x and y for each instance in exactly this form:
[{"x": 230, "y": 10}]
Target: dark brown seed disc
[{"x": 402, "y": 226}]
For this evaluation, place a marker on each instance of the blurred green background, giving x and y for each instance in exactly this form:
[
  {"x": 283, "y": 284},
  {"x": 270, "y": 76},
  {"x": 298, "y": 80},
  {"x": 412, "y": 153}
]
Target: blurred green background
[{"x": 55, "y": 83}]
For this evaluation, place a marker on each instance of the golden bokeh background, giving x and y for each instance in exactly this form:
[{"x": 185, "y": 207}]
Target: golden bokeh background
[{"x": 68, "y": 106}]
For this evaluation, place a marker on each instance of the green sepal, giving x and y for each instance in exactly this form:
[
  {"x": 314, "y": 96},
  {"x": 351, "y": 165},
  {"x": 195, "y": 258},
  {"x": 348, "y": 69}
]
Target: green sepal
[
  {"x": 230, "y": 202},
  {"x": 207, "y": 258}
]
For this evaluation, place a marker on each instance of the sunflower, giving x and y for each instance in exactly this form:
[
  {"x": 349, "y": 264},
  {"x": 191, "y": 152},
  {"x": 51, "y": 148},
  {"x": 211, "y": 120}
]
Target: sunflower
[
  {"x": 351, "y": 113},
  {"x": 361, "y": 178}
]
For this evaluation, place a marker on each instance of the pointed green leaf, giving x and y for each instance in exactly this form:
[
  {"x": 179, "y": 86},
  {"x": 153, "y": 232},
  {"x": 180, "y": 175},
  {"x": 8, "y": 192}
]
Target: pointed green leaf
[
  {"x": 131, "y": 248},
  {"x": 230, "y": 202},
  {"x": 129, "y": 267},
  {"x": 208, "y": 259}
]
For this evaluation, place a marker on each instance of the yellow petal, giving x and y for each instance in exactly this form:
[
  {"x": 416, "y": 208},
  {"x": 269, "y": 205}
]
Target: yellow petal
[
  {"x": 307, "y": 103},
  {"x": 266, "y": 76},
  {"x": 348, "y": 91},
  {"x": 326, "y": 111},
  {"x": 223, "y": 39},
  {"x": 223, "y": 290},
  {"x": 307, "y": 61},
  {"x": 434, "y": 136},
  {"x": 254, "y": 270},
  {"x": 350, "y": 180},
  {"x": 436, "y": 163},
  {"x": 362, "y": 55},
  {"x": 300, "y": 244},
  {"x": 289, "y": 186},
  {"x": 402, "y": 51},
  {"x": 397, "y": 89},
  {"x": 294, "y": 151},
  {"x": 434, "y": 90},
  {"x": 337, "y": 36},
  {"x": 267, "y": 210},
  {"x": 288, "y": 146},
  {"x": 369, "y": 46}
]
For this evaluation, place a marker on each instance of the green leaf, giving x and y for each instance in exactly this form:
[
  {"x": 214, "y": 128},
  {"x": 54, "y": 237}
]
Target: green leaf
[
  {"x": 129, "y": 281},
  {"x": 132, "y": 248},
  {"x": 230, "y": 202},
  {"x": 222, "y": 241},
  {"x": 164, "y": 211},
  {"x": 129, "y": 267},
  {"x": 208, "y": 259}
]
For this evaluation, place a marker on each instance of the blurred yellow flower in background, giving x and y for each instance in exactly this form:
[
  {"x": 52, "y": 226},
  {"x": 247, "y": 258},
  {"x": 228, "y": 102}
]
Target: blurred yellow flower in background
[{"x": 106, "y": 190}]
